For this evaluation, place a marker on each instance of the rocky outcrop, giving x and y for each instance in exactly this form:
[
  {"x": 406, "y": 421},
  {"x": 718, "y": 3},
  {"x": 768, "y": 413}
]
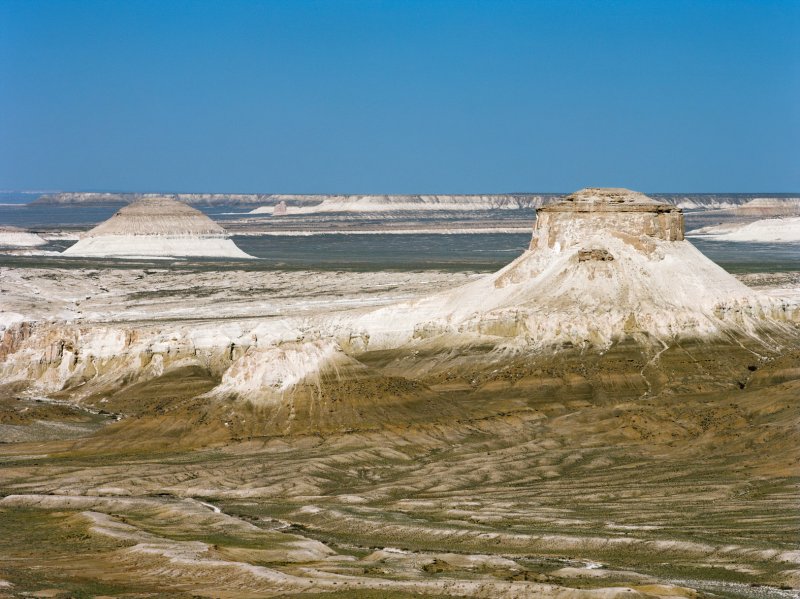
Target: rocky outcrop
[
  {"x": 603, "y": 265},
  {"x": 13, "y": 337},
  {"x": 103, "y": 358},
  {"x": 768, "y": 230},
  {"x": 404, "y": 203},
  {"x": 617, "y": 211},
  {"x": 158, "y": 216},
  {"x": 266, "y": 202}
]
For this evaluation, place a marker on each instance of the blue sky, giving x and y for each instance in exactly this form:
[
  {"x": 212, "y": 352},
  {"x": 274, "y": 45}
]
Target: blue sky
[{"x": 400, "y": 97}]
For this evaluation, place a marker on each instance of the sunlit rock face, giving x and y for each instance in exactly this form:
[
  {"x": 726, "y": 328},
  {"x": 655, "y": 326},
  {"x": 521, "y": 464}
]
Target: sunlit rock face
[
  {"x": 603, "y": 265},
  {"x": 621, "y": 212},
  {"x": 157, "y": 227}
]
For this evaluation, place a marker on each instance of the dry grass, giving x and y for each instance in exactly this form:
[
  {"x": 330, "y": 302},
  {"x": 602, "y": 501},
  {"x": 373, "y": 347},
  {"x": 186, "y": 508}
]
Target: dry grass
[{"x": 676, "y": 471}]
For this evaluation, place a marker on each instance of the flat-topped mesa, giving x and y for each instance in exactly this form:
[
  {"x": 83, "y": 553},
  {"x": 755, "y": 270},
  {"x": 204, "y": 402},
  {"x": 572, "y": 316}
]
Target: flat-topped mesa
[
  {"x": 157, "y": 227},
  {"x": 613, "y": 211}
]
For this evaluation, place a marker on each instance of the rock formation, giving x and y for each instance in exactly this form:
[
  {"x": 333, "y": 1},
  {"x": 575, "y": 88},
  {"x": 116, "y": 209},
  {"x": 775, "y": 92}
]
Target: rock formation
[
  {"x": 406, "y": 203},
  {"x": 280, "y": 209},
  {"x": 617, "y": 211},
  {"x": 767, "y": 230},
  {"x": 157, "y": 227}
]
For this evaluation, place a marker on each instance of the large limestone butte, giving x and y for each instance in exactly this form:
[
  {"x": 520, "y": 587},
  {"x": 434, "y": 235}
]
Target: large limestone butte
[
  {"x": 603, "y": 265},
  {"x": 157, "y": 227}
]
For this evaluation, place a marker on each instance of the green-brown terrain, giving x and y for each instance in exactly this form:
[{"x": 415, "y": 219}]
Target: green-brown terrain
[{"x": 567, "y": 475}]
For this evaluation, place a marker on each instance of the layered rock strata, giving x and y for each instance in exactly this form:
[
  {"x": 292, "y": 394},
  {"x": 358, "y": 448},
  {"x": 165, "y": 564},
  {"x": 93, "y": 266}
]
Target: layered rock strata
[
  {"x": 619, "y": 211},
  {"x": 157, "y": 227}
]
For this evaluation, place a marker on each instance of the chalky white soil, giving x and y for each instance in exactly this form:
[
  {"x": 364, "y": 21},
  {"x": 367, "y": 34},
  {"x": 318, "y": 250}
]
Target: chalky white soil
[
  {"x": 155, "y": 246},
  {"x": 768, "y": 230}
]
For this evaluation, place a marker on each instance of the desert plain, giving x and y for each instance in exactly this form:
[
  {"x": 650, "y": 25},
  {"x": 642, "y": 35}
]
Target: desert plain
[{"x": 220, "y": 429}]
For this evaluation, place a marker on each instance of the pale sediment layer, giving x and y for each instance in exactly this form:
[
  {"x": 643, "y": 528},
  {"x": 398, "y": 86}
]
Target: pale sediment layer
[
  {"x": 155, "y": 246},
  {"x": 402, "y": 203},
  {"x": 769, "y": 230},
  {"x": 699, "y": 202},
  {"x": 765, "y": 207},
  {"x": 157, "y": 216},
  {"x": 107, "y": 294}
]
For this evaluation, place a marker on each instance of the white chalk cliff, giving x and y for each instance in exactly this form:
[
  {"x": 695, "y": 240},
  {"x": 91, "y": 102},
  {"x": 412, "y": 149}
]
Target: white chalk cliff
[
  {"x": 157, "y": 227},
  {"x": 403, "y": 203}
]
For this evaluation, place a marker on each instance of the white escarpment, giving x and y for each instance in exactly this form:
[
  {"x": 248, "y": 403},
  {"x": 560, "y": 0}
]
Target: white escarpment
[
  {"x": 768, "y": 230},
  {"x": 405, "y": 203},
  {"x": 157, "y": 227},
  {"x": 15, "y": 238}
]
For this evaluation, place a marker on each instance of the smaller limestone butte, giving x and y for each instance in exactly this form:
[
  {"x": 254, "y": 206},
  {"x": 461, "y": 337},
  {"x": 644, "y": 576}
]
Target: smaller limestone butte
[{"x": 157, "y": 227}]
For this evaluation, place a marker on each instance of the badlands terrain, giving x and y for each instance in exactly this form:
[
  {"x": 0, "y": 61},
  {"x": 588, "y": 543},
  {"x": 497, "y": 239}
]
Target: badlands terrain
[{"x": 609, "y": 415}]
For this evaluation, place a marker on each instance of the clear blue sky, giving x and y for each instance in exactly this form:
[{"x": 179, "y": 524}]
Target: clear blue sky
[{"x": 400, "y": 97}]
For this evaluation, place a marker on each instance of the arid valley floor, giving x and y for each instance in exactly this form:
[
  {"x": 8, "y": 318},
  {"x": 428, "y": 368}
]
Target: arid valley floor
[{"x": 454, "y": 463}]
